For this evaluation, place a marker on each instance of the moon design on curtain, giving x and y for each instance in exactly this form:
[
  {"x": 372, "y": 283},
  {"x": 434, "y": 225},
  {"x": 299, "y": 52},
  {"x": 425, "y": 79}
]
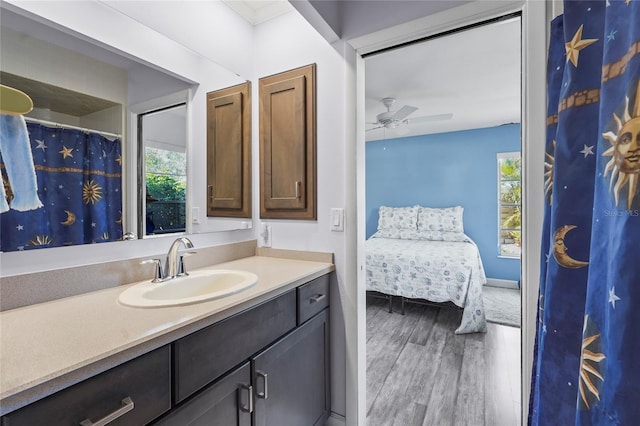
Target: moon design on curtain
[{"x": 560, "y": 249}]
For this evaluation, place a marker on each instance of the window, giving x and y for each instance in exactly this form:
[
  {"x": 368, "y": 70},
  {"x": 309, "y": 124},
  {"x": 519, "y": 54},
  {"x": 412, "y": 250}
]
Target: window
[
  {"x": 509, "y": 204},
  {"x": 166, "y": 180}
]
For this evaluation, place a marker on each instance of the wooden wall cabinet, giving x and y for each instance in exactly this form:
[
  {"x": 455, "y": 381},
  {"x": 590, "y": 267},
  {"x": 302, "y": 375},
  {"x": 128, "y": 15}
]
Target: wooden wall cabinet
[
  {"x": 229, "y": 152},
  {"x": 288, "y": 145}
]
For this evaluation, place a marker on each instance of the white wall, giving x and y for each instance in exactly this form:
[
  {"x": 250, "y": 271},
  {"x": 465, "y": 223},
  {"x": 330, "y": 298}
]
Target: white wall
[{"x": 281, "y": 44}]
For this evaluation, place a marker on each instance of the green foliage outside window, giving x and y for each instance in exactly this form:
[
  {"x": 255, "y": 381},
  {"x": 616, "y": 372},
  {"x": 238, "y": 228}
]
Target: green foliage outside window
[{"x": 510, "y": 204}]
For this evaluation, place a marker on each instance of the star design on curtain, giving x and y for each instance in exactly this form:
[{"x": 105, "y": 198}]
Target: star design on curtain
[
  {"x": 66, "y": 152},
  {"x": 41, "y": 145},
  {"x": 613, "y": 298},
  {"x": 587, "y": 151},
  {"x": 576, "y": 44}
]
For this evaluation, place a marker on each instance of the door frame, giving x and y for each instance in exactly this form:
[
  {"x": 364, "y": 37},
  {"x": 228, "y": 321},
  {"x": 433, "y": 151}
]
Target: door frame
[{"x": 535, "y": 15}]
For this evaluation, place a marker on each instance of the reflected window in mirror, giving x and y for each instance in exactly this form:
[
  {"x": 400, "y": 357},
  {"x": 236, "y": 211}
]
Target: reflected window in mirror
[{"x": 163, "y": 135}]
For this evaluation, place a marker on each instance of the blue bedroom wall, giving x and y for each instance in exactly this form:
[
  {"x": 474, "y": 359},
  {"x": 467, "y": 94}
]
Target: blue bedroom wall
[{"x": 444, "y": 170}]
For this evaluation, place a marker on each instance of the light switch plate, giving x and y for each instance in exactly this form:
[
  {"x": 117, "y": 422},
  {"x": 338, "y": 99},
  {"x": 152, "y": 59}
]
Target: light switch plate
[
  {"x": 195, "y": 215},
  {"x": 336, "y": 220}
]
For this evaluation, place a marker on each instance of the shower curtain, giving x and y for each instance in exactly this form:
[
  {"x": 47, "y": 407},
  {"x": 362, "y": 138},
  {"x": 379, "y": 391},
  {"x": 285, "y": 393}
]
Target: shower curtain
[
  {"x": 587, "y": 355},
  {"x": 79, "y": 178}
]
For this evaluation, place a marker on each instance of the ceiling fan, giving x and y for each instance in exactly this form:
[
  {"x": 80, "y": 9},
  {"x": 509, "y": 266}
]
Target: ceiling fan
[{"x": 393, "y": 119}]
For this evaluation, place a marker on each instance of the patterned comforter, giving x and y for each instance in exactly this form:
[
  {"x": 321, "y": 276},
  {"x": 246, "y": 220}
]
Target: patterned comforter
[{"x": 437, "y": 271}]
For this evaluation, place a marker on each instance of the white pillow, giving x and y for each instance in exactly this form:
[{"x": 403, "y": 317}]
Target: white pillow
[
  {"x": 447, "y": 219},
  {"x": 398, "y": 217}
]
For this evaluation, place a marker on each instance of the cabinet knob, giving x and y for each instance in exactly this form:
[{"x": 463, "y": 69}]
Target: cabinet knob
[{"x": 127, "y": 405}]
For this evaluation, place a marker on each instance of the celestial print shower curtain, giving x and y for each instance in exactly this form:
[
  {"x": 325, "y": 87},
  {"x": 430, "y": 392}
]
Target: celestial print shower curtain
[
  {"x": 79, "y": 178},
  {"x": 587, "y": 350}
]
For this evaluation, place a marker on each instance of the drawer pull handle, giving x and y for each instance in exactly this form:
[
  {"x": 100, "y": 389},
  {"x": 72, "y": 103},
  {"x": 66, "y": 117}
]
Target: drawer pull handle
[
  {"x": 317, "y": 298},
  {"x": 264, "y": 394},
  {"x": 247, "y": 408},
  {"x": 127, "y": 405}
]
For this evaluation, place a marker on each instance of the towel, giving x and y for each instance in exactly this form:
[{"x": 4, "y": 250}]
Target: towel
[{"x": 18, "y": 161}]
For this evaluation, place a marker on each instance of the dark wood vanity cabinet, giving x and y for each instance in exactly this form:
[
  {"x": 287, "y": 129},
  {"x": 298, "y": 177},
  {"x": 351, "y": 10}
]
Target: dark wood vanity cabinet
[
  {"x": 267, "y": 365},
  {"x": 288, "y": 145},
  {"x": 229, "y": 152},
  {"x": 279, "y": 351}
]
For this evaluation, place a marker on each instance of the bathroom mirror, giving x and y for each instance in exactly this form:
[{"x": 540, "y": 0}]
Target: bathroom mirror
[{"x": 81, "y": 86}]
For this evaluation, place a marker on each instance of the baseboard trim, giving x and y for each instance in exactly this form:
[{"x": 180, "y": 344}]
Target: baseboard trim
[
  {"x": 336, "y": 420},
  {"x": 495, "y": 282}
]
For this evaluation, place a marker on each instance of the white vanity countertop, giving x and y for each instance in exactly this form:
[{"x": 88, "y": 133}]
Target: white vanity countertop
[{"x": 50, "y": 346}]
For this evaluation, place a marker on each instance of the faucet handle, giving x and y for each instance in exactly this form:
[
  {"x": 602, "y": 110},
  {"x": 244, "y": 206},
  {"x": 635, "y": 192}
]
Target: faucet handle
[
  {"x": 159, "y": 275},
  {"x": 182, "y": 270}
]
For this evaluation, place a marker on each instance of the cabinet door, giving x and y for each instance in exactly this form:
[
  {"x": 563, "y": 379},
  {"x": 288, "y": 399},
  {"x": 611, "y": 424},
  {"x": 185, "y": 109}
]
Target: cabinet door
[
  {"x": 291, "y": 378},
  {"x": 228, "y": 402},
  {"x": 287, "y": 145},
  {"x": 229, "y": 152}
]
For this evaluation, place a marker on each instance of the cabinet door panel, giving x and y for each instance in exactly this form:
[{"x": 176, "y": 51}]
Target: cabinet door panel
[
  {"x": 297, "y": 382},
  {"x": 284, "y": 148},
  {"x": 229, "y": 152},
  {"x": 225, "y": 403}
]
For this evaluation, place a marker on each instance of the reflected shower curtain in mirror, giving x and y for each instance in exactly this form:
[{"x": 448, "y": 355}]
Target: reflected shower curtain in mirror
[
  {"x": 586, "y": 362},
  {"x": 79, "y": 178}
]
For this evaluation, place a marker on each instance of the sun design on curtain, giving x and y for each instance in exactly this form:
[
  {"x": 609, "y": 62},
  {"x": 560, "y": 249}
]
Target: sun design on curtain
[
  {"x": 548, "y": 165},
  {"x": 625, "y": 151},
  {"x": 591, "y": 365},
  {"x": 91, "y": 192}
]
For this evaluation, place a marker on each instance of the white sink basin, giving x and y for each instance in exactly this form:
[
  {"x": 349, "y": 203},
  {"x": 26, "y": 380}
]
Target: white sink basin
[{"x": 198, "y": 286}]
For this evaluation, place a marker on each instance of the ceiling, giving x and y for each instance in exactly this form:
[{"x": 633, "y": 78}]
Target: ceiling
[{"x": 473, "y": 74}]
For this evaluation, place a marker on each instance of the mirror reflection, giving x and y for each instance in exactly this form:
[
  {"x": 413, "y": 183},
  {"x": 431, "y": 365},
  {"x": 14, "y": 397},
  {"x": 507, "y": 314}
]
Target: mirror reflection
[{"x": 91, "y": 91}]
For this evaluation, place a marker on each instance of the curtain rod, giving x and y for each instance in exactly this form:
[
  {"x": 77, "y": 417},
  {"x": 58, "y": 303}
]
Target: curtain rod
[{"x": 68, "y": 126}]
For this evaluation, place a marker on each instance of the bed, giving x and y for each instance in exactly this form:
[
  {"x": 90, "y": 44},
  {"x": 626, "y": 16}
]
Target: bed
[{"x": 430, "y": 260}]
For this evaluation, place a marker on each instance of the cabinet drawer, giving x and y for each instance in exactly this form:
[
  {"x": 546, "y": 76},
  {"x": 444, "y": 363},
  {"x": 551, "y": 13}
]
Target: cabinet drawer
[
  {"x": 205, "y": 355},
  {"x": 146, "y": 380},
  {"x": 313, "y": 297}
]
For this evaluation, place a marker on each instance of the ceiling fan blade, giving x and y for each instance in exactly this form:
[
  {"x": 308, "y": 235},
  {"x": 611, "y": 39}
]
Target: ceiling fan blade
[
  {"x": 403, "y": 112},
  {"x": 437, "y": 117},
  {"x": 374, "y": 128}
]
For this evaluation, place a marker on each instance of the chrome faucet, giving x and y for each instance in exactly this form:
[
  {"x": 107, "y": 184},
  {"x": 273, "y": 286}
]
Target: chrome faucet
[{"x": 173, "y": 265}]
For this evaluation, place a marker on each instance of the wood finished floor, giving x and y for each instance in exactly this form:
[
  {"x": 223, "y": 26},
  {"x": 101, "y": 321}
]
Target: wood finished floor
[{"x": 419, "y": 372}]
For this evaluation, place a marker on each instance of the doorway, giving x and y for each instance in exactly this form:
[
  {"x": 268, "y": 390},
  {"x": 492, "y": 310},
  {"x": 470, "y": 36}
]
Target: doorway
[{"x": 426, "y": 151}]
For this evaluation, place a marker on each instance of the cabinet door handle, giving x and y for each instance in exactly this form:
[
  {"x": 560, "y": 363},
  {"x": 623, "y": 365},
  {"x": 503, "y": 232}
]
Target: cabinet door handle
[
  {"x": 127, "y": 405},
  {"x": 264, "y": 394},
  {"x": 210, "y": 190},
  {"x": 248, "y": 408},
  {"x": 298, "y": 183},
  {"x": 317, "y": 298}
]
